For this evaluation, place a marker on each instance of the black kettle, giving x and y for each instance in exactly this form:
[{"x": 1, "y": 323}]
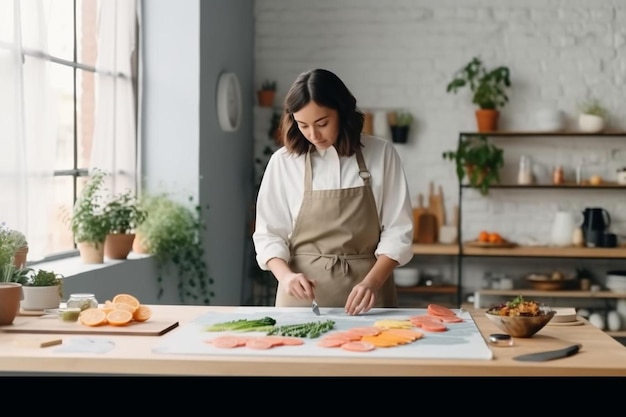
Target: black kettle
[{"x": 596, "y": 221}]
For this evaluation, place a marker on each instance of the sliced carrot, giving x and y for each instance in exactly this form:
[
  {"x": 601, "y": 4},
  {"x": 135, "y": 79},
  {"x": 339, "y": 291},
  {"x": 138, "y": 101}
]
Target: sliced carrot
[
  {"x": 379, "y": 341},
  {"x": 411, "y": 334},
  {"x": 346, "y": 335},
  {"x": 365, "y": 331},
  {"x": 331, "y": 343},
  {"x": 225, "y": 343},
  {"x": 358, "y": 346},
  {"x": 259, "y": 343},
  {"x": 439, "y": 310},
  {"x": 434, "y": 327},
  {"x": 292, "y": 341},
  {"x": 451, "y": 319}
]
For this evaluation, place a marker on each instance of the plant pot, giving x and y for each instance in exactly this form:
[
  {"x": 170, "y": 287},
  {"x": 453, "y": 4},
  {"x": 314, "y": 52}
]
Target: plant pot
[
  {"x": 118, "y": 245},
  {"x": 399, "y": 134},
  {"x": 19, "y": 259},
  {"x": 590, "y": 123},
  {"x": 139, "y": 246},
  {"x": 10, "y": 296},
  {"x": 40, "y": 298},
  {"x": 266, "y": 98},
  {"x": 487, "y": 120},
  {"x": 91, "y": 253}
]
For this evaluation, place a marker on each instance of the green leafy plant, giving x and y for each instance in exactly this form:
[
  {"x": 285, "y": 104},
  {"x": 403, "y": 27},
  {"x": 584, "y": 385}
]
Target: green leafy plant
[
  {"x": 399, "y": 118},
  {"x": 11, "y": 241},
  {"x": 88, "y": 221},
  {"x": 124, "y": 213},
  {"x": 268, "y": 85},
  {"x": 480, "y": 160},
  {"x": 44, "y": 278},
  {"x": 173, "y": 233},
  {"x": 488, "y": 87},
  {"x": 593, "y": 107}
]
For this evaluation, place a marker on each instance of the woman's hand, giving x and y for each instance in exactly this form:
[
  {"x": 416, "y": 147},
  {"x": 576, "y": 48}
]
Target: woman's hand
[
  {"x": 299, "y": 286},
  {"x": 361, "y": 299}
]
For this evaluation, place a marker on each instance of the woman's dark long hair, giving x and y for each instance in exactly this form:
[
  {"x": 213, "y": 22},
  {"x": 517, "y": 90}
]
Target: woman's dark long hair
[{"x": 327, "y": 90}]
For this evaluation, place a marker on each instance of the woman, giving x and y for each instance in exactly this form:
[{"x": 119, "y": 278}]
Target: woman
[{"x": 333, "y": 214}]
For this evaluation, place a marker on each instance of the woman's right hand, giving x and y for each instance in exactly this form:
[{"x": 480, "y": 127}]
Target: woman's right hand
[{"x": 298, "y": 286}]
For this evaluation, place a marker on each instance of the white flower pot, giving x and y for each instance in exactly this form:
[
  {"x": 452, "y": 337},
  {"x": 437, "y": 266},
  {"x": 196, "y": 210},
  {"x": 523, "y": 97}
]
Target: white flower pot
[
  {"x": 40, "y": 298},
  {"x": 590, "y": 123}
]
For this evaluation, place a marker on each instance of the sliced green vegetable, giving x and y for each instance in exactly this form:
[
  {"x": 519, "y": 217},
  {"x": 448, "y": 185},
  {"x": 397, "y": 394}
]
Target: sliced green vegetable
[
  {"x": 243, "y": 325},
  {"x": 311, "y": 330}
]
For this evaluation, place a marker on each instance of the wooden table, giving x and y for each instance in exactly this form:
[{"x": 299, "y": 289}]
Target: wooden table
[{"x": 132, "y": 355}]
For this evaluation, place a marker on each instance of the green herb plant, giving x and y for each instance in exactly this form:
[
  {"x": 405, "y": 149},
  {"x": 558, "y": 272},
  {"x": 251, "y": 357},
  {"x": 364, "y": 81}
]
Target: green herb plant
[
  {"x": 488, "y": 87},
  {"x": 88, "y": 221},
  {"x": 11, "y": 241},
  {"x": 173, "y": 233},
  {"x": 124, "y": 214},
  {"x": 268, "y": 85},
  {"x": 593, "y": 107},
  {"x": 479, "y": 159},
  {"x": 44, "y": 278}
]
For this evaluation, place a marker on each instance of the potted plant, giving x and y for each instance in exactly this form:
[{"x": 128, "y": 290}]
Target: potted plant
[
  {"x": 480, "y": 160},
  {"x": 14, "y": 243},
  {"x": 399, "y": 123},
  {"x": 172, "y": 232},
  {"x": 267, "y": 93},
  {"x": 42, "y": 289},
  {"x": 592, "y": 116},
  {"x": 88, "y": 222},
  {"x": 488, "y": 89},
  {"x": 123, "y": 216}
]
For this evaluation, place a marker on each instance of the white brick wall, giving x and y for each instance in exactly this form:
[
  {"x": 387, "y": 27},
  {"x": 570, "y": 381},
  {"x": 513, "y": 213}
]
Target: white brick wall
[{"x": 402, "y": 53}]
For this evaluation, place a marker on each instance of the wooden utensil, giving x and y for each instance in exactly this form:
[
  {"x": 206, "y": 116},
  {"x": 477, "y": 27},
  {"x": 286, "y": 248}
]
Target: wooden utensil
[
  {"x": 427, "y": 228},
  {"x": 435, "y": 204},
  {"x": 417, "y": 212}
]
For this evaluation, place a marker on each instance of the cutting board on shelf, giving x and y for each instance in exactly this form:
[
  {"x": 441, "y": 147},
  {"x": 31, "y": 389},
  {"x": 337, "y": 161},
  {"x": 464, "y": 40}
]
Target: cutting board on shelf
[
  {"x": 51, "y": 324},
  {"x": 435, "y": 204},
  {"x": 417, "y": 212}
]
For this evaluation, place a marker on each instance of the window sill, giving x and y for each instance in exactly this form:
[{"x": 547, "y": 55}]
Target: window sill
[{"x": 73, "y": 266}]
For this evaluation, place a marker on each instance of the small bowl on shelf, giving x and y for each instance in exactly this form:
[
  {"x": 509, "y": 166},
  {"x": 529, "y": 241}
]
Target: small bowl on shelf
[
  {"x": 406, "y": 277},
  {"x": 521, "y": 326}
]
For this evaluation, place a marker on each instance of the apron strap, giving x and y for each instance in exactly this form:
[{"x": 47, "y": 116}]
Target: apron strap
[
  {"x": 333, "y": 259},
  {"x": 308, "y": 172},
  {"x": 363, "y": 172}
]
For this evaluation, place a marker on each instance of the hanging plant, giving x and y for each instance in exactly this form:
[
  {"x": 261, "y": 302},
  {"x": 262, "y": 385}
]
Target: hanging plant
[{"x": 173, "y": 232}]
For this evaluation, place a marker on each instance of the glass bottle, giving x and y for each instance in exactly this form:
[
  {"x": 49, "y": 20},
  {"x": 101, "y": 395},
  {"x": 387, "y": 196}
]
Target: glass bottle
[
  {"x": 525, "y": 174},
  {"x": 557, "y": 175}
]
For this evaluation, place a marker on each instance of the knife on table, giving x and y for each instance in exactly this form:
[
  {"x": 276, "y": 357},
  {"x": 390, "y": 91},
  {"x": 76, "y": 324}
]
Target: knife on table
[{"x": 550, "y": 354}]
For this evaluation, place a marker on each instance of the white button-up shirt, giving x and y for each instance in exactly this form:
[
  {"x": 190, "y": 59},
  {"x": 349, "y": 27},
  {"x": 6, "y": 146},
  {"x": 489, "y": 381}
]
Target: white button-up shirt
[{"x": 282, "y": 189}]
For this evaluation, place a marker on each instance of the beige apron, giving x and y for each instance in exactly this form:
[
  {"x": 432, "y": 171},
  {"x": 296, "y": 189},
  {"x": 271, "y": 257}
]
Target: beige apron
[{"x": 333, "y": 242}]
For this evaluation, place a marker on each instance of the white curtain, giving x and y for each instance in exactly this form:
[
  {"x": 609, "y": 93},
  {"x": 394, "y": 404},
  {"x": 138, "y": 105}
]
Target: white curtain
[
  {"x": 114, "y": 144},
  {"x": 27, "y": 124}
]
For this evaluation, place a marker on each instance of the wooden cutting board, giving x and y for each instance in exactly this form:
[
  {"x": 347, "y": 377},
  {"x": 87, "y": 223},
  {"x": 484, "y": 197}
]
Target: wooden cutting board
[
  {"x": 52, "y": 324},
  {"x": 417, "y": 212},
  {"x": 435, "y": 205},
  {"x": 427, "y": 228}
]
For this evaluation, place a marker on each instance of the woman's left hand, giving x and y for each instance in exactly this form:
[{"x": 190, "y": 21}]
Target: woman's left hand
[{"x": 361, "y": 299}]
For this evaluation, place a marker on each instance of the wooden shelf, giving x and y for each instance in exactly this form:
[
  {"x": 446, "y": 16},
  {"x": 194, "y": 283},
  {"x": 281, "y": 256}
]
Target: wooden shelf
[
  {"x": 607, "y": 185},
  {"x": 554, "y": 294},
  {"x": 548, "y": 252},
  {"x": 545, "y": 133},
  {"x": 435, "y": 249},
  {"x": 429, "y": 289}
]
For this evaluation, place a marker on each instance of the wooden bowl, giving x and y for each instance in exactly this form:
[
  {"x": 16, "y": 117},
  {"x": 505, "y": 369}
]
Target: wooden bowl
[
  {"x": 521, "y": 326},
  {"x": 546, "y": 283}
]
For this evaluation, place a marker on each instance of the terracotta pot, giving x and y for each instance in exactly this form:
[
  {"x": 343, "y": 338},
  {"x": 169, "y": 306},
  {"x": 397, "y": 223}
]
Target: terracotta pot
[
  {"x": 487, "y": 120},
  {"x": 40, "y": 298},
  {"x": 118, "y": 245},
  {"x": 139, "y": 246},
  {"x": 10, "y": 296},
  {"x": 91, "y": 253},
  {"x": 266, "y": 98},
  {"x": 19, "y": 260}
]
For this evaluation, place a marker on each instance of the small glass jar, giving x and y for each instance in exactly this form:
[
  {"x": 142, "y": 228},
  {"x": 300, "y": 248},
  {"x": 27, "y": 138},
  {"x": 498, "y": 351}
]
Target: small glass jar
[
  {"x": 525, "y": 174},
  {"x": 621, "y": 176},
  {"x": 82, "y": 301}
]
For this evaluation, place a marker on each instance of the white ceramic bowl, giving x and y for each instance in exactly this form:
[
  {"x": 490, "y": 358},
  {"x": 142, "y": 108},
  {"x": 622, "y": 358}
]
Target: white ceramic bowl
[{"x": 406, "y": 277}]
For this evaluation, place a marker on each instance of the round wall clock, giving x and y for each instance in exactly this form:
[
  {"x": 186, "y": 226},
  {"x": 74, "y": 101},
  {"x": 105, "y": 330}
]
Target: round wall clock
[{"x": 228, "y": 102}]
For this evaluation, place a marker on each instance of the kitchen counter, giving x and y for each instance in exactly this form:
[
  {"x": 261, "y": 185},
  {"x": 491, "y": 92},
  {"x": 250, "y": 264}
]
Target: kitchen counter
[{"x": 133, "y": 355}]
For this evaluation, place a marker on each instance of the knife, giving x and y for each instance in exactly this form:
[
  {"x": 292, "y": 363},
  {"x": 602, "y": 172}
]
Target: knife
[
  {"x": 550, "y": 354},
  {"x": 315, "y": 308}
]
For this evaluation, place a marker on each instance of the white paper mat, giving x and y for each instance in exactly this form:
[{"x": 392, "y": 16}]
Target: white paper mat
[{"x": 460, "y": 341}]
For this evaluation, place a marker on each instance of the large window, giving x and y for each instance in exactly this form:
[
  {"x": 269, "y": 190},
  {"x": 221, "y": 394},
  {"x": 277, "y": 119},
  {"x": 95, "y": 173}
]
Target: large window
[{"x": 68, "y": 98}]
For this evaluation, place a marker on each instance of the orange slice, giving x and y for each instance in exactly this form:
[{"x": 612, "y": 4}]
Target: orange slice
[
  {"x": 93, "y": 317},
  {"x": 124, "y": 306},
  {"x": 119, "y": 317},
  {"x": 142, "y": 313},
  {"x": 126, "y": 299}
]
